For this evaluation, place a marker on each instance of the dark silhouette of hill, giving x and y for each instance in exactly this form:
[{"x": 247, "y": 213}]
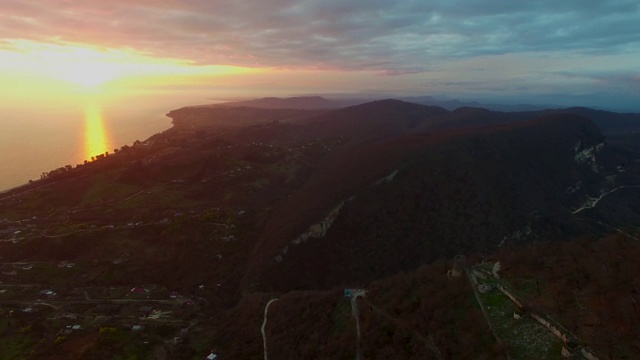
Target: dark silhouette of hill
[
  {"x": 300, "y": 102},
  {"x": 203, "y": 117},
  {"x": 475, "y": 117},
  {"x": 319, "y": 102},
  {"x": 455, "y": 191},
  {"x": 454, "y": 104},
  {"x": 381, "y": 113},
  {"x": 610, "y": 123},
  {"x": 372, "y": 121}
]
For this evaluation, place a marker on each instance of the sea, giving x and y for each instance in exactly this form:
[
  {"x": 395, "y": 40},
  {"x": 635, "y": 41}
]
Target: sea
[{"x": 38, "y": 138}]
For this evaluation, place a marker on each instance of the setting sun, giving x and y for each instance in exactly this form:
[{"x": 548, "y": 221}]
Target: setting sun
[
  {"x": 81, "y": 65},
  {"x": 89, "y": 74},
  {"x": 90, "y": 67}
]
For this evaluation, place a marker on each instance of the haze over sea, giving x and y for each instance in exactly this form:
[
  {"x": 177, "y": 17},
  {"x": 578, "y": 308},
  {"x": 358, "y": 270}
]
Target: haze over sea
[{"x": 45, "y": 135}]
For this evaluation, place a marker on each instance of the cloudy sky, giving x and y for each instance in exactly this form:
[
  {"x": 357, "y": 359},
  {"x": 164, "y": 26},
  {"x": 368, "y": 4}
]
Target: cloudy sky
[{"x": 583, "y": 52}]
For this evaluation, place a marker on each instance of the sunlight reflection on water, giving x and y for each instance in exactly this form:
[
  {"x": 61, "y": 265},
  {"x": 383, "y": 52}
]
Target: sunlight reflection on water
[
  {"x": 42, "y": 136},
  {"x": 96, "y": 138}
]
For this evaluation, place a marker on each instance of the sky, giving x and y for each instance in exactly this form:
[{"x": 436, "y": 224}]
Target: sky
[{"x": 570, "y": 52}]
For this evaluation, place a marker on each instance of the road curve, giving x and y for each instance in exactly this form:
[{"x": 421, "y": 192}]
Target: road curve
[
  {"x": 356, "y": 315},
  {"x": 264, "y": 325}
]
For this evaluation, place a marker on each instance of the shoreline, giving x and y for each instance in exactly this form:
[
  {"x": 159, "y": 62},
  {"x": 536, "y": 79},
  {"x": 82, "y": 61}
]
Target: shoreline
[{"x": 27, "y": 182}]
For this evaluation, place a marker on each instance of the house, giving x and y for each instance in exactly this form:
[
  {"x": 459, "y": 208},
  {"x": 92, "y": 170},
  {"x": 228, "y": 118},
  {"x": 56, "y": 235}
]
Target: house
[{"x": 211, "y": 356}]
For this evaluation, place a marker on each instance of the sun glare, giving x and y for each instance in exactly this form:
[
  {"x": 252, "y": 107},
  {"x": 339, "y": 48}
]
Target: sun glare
[
  {"x": 89, "y": 74},
  {"x": 95, "y": 135},
  {"x": 85, "y": 66},
  {"x": 90, "y": 67}
]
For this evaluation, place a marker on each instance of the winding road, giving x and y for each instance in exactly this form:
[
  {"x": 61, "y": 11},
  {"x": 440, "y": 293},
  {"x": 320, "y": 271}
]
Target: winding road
[
  {"x": 356, "y": 315},
  {"x": 264, "y": 325},
  {"x": 596, "y": 200}
]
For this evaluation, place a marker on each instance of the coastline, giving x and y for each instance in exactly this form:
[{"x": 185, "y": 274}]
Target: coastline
[{"x": 66, "y": 150}]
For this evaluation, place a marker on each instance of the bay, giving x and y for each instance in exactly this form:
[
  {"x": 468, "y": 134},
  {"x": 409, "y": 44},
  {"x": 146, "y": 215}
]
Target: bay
[{"x": 42, "y": 136}]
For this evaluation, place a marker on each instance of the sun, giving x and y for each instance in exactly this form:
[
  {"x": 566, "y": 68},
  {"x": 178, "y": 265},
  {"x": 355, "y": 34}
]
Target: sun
[
  {"x": 88, "y": 67},
  {"x": 94, "y": 69},
  {"x": 89, "y": 74},
  {"x": 81, "y": 65}
]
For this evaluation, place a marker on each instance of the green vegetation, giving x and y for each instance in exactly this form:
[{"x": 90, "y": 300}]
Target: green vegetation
[
  {"x": 341, "y": 317},
  {"x": 105, "y": 189},
  {"x": 193, "y": 230},
  {"x": 525, "y": 337},
  {"x": 259, "y": 184},
  {"x": 15, "y": 346}
]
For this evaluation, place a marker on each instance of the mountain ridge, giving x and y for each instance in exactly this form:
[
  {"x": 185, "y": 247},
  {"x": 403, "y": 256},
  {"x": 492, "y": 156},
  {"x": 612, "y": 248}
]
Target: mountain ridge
[
  {"x": 235, "y": 206},
  {"x": 491, "y": 140}
]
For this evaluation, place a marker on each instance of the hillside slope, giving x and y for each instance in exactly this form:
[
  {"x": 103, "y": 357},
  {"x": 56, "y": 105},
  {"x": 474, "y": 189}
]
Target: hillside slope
[
  {"x": 199, "y": 226},
  {"x": 393, "y": 205}
]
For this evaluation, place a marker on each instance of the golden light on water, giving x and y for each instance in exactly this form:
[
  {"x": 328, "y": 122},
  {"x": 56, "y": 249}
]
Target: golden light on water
[
  {"x": 60, "y": 75},
  {"x": 96, "y": 140}
]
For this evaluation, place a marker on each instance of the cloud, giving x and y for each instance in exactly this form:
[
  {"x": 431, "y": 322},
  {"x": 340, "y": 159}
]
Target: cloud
[
  {"x": 407, "y": 71},
  {"x": 391, "y": 37}
]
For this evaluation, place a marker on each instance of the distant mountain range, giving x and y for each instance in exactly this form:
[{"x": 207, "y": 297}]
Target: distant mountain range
[
  {"x": 302, "y": 102},
  {"x": 454, "y": 104},
  {"x": 462, "y": 113},
  {"x": 507, "y": 175},
  {"x": 318, "y": 102},
  {"x": 407, "y": 175}
]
